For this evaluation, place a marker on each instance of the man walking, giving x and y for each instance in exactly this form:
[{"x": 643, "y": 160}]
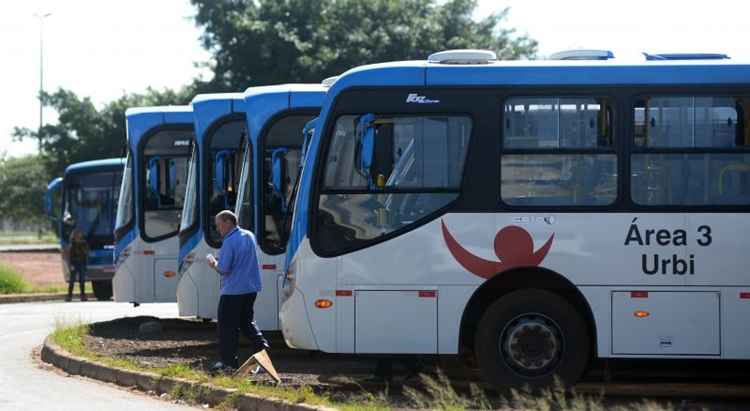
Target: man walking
[{"x": 240, "y": 284}]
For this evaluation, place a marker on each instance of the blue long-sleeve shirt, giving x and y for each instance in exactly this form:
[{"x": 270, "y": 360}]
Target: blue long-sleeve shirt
[{"x": 238, "y": 263}]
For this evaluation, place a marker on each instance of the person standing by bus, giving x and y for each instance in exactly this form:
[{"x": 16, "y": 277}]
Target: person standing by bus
[
  {"x": 78, "y": 255},
  {"x": 240, "y": 284}
]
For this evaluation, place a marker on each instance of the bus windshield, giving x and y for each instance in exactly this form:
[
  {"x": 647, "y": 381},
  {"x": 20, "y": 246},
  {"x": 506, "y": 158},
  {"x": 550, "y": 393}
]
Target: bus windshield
[
  {"x": 165, "y": 161},
  {"x": 223, "y": 172},
  {"x": 190, "y": 208},
  {"x": 307, "y": 134},
  {"x": 125, "y": 202},
  {"x": 90, "y": 201},
  {"x": 281, "y": 164},
  {"x": 245, "y": 201}
]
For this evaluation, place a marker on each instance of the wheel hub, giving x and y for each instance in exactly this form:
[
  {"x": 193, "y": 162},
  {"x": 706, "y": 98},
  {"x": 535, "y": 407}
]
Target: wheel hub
[{"x": 531, "y": 344}]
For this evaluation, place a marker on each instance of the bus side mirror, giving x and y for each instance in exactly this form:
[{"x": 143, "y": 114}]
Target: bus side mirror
[
  {"x": 152, "y": 195},
  {"x": 219, "y": 176},
  {"x": 277, "y": 170},
  {"x": 278, "y": 174},
  {"x": 153, "y": 174},
  {"x": 365, "y": 133}
]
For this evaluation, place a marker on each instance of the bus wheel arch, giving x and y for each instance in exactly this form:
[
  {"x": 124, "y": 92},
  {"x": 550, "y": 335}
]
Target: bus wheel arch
[{"x": 518, "y": 279}]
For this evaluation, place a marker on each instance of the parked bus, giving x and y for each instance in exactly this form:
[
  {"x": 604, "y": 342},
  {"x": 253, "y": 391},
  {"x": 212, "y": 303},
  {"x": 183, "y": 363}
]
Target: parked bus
[
  {"x": 86, "y": 198},
  {"x": 275, "y": 117},
  {"x": 533, "y": 214},
  {"x": 214, "y": 175},
  {"x": 160, "y": 140}
]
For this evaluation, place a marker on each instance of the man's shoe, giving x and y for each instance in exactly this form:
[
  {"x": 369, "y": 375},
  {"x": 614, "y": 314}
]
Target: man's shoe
[{"x": 219, "y": 368}]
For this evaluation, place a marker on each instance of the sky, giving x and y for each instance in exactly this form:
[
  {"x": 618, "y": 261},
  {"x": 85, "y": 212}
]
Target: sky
[{"x": 104, "y": 49}]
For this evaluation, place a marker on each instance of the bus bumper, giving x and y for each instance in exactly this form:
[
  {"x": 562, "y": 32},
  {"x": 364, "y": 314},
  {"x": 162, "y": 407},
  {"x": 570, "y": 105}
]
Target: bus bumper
[
  {"x": 95, "y": 273},
  {"x": 295, "y": 323},
  {"x": 100, "y": 272}
]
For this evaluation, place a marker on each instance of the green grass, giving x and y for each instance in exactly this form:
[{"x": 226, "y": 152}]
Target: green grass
[
  {"x": 11, "y": 281},
  {"x": 435, "y": 393}
]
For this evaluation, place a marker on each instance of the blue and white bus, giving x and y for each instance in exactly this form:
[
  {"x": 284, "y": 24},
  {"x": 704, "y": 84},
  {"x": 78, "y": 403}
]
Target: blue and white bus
[
  {"x": 274, "y": 119},
  {"x": 86, "y": 198},
  {"x": 213, "y": 182},
  {"x": 533, "y": 214},
  {"x": 160, "y": 140}
]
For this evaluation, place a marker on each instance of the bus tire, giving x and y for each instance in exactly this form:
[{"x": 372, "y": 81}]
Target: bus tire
[
  {"x": 528, "y": 338},
  {"x": 102, "y": 290}
]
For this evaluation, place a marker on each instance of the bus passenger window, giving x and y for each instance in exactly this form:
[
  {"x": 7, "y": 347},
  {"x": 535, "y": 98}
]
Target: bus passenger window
[
  {"x": 534, "y": 172},
  {"x": 668, "y": 168}
]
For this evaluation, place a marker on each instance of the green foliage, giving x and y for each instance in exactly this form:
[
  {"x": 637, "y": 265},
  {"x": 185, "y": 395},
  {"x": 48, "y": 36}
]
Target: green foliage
[
  {"x": 23, "y": 182},
  {"x": 70, "y": 336},
  {"x": 11, "y": 282},
  {"x": 84, "y": 133},
  {"x": 271, "y": 41}
]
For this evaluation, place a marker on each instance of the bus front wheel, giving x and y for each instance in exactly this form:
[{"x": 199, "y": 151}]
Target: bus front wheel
[
  {"x": 102, "y": 290},
  {"x": 530, "y": 337}
]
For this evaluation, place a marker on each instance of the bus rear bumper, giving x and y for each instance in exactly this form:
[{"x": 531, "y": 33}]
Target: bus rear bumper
[
  {"x": 100, "y": 272},
  {"x": 295, "y": 323},
  {"x": 96, "y": 273}
]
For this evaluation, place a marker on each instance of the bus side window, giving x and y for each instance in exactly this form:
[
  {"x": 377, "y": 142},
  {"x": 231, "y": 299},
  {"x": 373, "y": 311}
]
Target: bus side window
[{"x": 669, "y": 169}]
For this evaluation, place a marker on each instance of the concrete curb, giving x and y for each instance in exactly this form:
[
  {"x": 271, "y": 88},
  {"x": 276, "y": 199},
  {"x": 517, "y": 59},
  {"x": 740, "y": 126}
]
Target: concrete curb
[
  {"x": 144, "y": 381},
  {"x": 33, "y": 298}
]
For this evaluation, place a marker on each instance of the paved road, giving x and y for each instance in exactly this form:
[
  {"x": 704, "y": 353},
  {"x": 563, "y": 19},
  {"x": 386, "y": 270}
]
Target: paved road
[{"x": 25, "y": 386}]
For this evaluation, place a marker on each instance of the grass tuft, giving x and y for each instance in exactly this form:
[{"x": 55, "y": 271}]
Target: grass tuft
[{"x": 11, "y": 281}]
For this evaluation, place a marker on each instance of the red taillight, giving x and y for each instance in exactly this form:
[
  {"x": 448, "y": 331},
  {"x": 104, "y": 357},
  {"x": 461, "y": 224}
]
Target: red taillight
[
  {"x": 149, "y": 252},
  {"x": 745, "y": 295},
  {"x": 639, "y": 294},
  {"x": 427, "y": 294},
  {"x": 344, "y": 293},
  {"x": 269, "y": 266}
]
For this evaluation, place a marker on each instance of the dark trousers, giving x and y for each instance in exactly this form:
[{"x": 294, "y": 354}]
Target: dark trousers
[
  {"x": 77, "y": 270},
  {"x": 236, "y": 315}
]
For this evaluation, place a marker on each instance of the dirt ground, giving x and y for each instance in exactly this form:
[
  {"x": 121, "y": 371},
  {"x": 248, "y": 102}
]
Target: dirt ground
[
  {"x": 194, "y": 343},
  {"x": 38, "y": 268}
]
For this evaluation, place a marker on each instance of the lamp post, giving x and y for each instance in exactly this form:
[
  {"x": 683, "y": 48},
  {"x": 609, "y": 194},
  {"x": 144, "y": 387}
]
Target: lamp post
[{"x": 41, "y": 17}]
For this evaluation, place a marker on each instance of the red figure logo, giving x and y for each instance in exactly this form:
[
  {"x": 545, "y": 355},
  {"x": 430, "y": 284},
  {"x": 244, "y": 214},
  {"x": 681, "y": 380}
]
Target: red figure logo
[{"x": 513, "y": 246}]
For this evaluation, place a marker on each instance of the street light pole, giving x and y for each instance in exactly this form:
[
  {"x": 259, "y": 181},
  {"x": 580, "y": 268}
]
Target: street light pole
[{"x": 41, "y": 18}]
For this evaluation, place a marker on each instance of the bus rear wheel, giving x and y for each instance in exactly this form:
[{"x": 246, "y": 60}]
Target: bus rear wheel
[
  {"x": 530, "y": 337},
  {"x": 102, "y": 290}
]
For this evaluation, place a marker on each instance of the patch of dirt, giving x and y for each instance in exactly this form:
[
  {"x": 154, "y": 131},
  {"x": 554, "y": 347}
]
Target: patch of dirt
[
  {"x": 193, "y": 343},
  {"x": 38, "y": 268}
]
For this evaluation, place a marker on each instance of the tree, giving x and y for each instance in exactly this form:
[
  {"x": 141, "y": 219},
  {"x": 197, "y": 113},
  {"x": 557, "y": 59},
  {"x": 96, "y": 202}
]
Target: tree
[
  {"x": 258, "y": 42},
  {"x": 84, "y": 133},
  {"x": 23, "y": 182}
]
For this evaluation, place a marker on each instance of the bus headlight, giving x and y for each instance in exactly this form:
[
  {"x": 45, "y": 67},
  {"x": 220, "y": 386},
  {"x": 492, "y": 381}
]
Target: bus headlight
[
  {"x": 122, "y": 257},
  {"x": 287, "y": 287},
  {"x": 186, "y": 263}
]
